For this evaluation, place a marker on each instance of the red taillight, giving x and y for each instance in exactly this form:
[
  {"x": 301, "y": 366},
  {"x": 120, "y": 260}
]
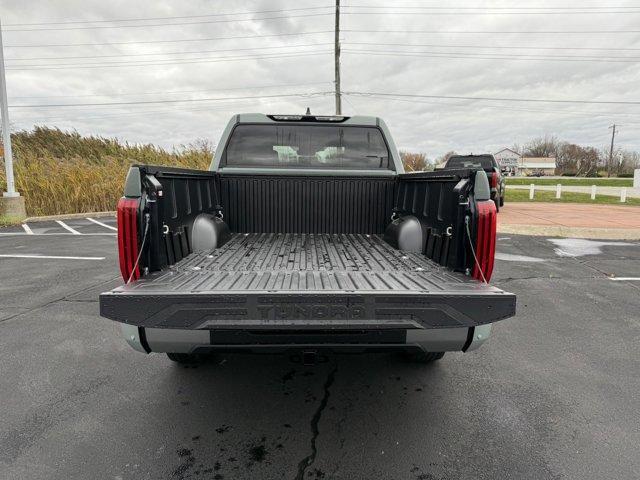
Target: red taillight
[
  {"x": 128, "y": 237},
  {"x": 485, "y": 239},
  {"x": 493, "y": 180}
]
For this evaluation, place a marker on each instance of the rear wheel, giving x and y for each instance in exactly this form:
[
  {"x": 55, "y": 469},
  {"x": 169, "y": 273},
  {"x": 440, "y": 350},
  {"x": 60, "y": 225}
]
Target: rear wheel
[
  {"x": 188, "y": 358},
  {"x": 497, "y": 202},
  {"x": 502, "y": 201},
  {"x": 421, "y": 356}
]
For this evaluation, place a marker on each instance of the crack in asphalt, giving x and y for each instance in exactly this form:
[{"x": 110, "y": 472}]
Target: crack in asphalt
[
  {"x": 64, "y": 298},
  {"x": 307, "y": 461},
  {"x": 70, "y": 300},
  {"x": 29, "y": 310},
  {"x": 513, "y": 279}
]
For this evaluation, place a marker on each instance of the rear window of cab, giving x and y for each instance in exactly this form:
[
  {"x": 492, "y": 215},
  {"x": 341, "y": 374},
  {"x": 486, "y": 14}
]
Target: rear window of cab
[{"x": 307, "y": 146}]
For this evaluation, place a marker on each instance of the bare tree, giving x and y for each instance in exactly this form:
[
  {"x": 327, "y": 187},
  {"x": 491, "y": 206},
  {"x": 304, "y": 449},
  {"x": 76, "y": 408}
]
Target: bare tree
[
  {"x": 625, "y": 161},
  {"x": 577, "y": 160},
  {"x": 443, "y": 159},
  {"x": 414, "y": 162},
  {"x": 542, "y": 147}
]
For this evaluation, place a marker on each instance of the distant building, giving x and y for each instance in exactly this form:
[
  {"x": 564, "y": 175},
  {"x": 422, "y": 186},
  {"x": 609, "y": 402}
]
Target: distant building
[
  {"x": 513, "y": 163},
  {"x": 507, "y": 157},
  {"x": 537, "y": 166}
]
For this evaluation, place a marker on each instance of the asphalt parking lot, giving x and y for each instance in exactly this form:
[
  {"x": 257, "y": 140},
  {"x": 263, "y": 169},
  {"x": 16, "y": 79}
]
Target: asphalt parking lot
[{"x": 553, "y": 394}]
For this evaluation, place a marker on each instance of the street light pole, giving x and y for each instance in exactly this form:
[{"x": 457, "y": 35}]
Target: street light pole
[
  {"x": 337, "y": 60},
  {"x": 613, "y": 136},
  {"x": 6, "y": 132}
]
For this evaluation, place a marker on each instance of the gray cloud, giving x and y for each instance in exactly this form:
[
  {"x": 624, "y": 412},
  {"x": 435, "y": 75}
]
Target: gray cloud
[{"x": 430, "y": 125}]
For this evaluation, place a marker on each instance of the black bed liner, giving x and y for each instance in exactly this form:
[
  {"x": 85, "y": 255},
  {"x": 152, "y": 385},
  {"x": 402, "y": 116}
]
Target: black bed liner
[{"x": 306, "y": 281}]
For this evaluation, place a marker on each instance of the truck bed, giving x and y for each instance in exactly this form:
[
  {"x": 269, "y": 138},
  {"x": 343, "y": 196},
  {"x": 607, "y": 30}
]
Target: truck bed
[{"x": 265, "y": 280}]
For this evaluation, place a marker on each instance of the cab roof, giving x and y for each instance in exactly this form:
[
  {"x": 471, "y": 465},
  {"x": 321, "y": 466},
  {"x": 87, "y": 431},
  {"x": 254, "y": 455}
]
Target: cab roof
[{"x": 363, "y": 120}]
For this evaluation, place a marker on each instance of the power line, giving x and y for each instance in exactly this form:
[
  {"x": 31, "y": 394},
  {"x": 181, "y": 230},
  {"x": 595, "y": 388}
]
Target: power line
[
  {"x": 372, "y": 7},
  {"x": 501, "y": 47},
  {"x": 479, "y": 13},
  {"x": 498, "y": 55},
  {"x": 425, "y": 7},
  {"x": 492, "y": 56},
  {"x": 423, "y": 54},
  {"x": 182, "y": 100},
  {"x": 177, "y": 24},
  {"x": 120, "y": 55},
  {"x": 72, "y": 22},
  {"x": 175, "y": 92},
  {"x": 279, "y": 17},
  {"x": 500, "y": 32},
  {"x": 164, "y": 62},
  {"x": 175, "y": 109},
  {"x": 499, "y": 99},
  {"x": 511, "y": 108},
  {"x": 147, "y": 42},
  {"x": 222, "y": 105}
]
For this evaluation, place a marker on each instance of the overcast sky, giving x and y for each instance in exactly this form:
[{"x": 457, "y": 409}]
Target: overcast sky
[{"x": 437, "y": 52}]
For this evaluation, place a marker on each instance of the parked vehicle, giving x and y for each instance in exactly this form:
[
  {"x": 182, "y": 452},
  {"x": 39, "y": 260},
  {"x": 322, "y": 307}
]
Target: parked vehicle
[
  {"x": 306, "y": 236},
  {"x": 489, "y": 164}
]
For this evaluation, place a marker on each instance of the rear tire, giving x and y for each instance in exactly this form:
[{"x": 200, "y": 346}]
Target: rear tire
[
  {"x": 502, "y": 201},
  {"x": 188, "y": 358},
  {"x": 497, "y": 202},
  {"x": 424, "y": 357}
]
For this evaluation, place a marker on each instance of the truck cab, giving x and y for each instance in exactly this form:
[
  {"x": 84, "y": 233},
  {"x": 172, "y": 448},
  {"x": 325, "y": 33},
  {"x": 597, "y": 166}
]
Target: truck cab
[{"x": 305, "y": 235}]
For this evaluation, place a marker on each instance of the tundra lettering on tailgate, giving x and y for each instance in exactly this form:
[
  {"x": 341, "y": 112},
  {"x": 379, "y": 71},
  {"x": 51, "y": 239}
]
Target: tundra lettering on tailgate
[
  {"x": 301, "y": 307},
  {"x": 305, "y": 312}
]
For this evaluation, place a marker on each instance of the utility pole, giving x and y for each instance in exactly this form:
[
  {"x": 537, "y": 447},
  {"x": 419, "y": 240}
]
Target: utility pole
[
  {"x": 6, "y": 132},
  {"x": 337, "y": 60},
  {"x": 613, "y": 135}
]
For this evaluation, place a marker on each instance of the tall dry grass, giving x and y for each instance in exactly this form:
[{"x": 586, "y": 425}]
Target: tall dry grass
[{"x": 64, "y": 172}]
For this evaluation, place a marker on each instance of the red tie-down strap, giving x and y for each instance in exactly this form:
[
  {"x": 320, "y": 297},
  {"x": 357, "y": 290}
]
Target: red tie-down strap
[
  {"x": 485, "y": 239},
  {"x": 127, "y": 212}
]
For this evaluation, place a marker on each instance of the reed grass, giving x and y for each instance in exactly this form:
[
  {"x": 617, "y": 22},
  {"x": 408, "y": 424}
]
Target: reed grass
[{"x": 63, "y": 172}]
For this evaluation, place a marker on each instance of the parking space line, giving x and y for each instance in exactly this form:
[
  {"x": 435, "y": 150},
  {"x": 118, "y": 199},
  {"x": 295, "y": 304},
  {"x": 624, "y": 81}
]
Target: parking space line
[
  {"x": 52, "y": 257},
  {"x": 625, "y": 279},
  {"x": 27, "y": 229},
  {"x": 101, "y": 234},
  {"x": 67, "y": 227},
  {"x": 102, "y": 224}
]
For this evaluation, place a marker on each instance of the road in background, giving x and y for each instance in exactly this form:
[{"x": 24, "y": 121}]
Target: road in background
[
  {"x": 571, "y": 215},
  {"x": 553, "y": 394}
]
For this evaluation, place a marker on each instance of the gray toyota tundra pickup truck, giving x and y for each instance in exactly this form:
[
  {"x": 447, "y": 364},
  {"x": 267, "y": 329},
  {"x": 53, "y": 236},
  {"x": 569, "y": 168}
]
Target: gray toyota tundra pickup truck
[{"x": 306, "y": 236}]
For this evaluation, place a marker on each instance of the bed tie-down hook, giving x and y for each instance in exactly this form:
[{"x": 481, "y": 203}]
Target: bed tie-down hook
[{"x": 218, "y": 210}]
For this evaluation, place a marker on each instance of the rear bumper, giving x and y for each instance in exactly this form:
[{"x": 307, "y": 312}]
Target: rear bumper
[
  {"x": 189, "y": 341},
  {"x": 319, "y": 311}
]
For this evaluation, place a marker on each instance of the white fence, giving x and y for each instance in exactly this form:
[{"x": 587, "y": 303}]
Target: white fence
[{"x": 594, "y": 190}]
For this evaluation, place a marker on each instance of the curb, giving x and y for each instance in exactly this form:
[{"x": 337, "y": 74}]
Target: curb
[
  {"x": 70, "y": 216},
  {"x": 572, "y": 232}
]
